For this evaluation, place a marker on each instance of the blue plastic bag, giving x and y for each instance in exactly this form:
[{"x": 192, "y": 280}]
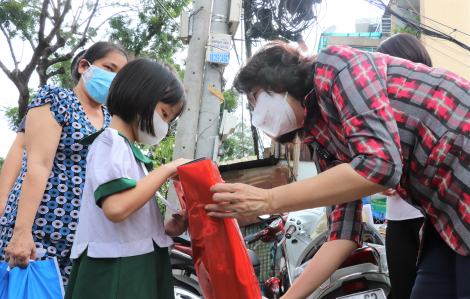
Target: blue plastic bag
[{"x": 40, "y": 280}]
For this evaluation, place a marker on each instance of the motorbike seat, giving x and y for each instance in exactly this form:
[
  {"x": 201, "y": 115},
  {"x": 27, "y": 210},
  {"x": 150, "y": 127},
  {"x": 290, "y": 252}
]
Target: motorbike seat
[
  {"x": 255, "y": 262},
  {"x": 183, "y": 240}
]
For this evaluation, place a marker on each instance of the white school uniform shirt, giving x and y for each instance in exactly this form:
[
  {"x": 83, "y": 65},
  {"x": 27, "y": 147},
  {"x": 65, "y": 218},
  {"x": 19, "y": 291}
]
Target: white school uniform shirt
[
  {"x": 398, "y": 209},
  {"x": 114, "y": 165}
]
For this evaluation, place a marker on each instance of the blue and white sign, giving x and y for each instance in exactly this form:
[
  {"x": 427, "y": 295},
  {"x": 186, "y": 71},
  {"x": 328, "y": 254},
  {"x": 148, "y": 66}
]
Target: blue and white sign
[
  {"x": 218, "y": 57},
  {"x": 219, "y": 48}
]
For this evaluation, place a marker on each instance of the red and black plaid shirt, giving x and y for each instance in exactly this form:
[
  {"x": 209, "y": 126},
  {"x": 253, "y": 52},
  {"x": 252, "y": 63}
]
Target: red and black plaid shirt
[{"x": 399, "y": 124}]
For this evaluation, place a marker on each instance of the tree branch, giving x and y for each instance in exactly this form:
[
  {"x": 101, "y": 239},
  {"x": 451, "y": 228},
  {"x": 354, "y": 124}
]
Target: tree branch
[
  {"x": 42, "y": 20},
  {"x": 60, "y": 59},
  {"x": 59, "y": 21},
  {"x": 31, "y": 42},
  {"x": 6, "y": 71},
  {"x": 60, "y": 71},
  {"x": 89, "y": 21},
  {"x": 10, "y": 46},
  {"x": 111, "y": 17}
]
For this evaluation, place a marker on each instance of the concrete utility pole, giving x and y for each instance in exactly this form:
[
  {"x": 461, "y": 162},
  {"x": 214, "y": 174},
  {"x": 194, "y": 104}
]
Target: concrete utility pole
[
  {"x": 210, "y": 105},
  {"x": 185, "y": 143}
]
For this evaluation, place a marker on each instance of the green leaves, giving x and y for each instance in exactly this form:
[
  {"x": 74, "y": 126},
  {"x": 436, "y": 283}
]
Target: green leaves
[
  {"x": 407, "y": 29},
  {"x": 239, "y": 144},
  {"x": 231, "y": 101},
  {"x": 155, "y": 33},
  {"x": 11, "y": 113},
  {"x": 19, "y": 18}
]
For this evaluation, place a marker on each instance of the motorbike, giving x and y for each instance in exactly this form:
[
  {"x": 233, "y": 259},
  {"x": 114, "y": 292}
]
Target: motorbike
[
  {"x": 186, "y": 284},
  {"x": 300, "y": 235}
]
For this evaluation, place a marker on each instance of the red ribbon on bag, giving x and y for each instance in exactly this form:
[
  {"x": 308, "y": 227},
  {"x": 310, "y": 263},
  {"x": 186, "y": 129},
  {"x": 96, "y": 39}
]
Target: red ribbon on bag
[{"x": 222, "y": 263}]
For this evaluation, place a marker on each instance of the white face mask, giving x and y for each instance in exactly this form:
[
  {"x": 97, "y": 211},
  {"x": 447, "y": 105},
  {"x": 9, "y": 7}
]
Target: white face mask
[
  {"x": 159, "y": 126},
  {"x": 273, "y": 115}
]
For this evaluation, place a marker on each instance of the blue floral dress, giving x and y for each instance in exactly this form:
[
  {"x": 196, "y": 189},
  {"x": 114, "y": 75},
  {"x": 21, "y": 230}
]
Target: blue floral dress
[{"x": 57, "y": 217}]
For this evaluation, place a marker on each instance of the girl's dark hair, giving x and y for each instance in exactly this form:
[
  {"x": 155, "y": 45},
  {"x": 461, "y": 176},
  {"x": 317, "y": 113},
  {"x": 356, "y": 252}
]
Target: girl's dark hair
[
  {"x": 139, "y": 86},
  {"x": 406, "y": 46},
  {"x": 97, "y": 51},
  {"x": 279, "y": 67}
]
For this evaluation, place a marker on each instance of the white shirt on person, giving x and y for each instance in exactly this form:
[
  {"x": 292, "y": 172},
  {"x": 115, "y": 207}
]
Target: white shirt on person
[
  {"x": 114, "y": 165},
  {"x": 398, "y": 209}
]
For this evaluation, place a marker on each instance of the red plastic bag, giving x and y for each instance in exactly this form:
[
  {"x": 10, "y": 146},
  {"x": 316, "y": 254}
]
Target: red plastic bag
[{"x": 223, "y": 266}]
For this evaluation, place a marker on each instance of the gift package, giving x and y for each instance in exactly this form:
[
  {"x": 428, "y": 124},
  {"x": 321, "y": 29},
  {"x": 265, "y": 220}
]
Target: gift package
[{"x": 223, "y": 266}]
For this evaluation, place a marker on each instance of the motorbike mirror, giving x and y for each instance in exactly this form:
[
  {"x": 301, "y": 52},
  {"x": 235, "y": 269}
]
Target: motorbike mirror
[{"x": 265, "y": 217}]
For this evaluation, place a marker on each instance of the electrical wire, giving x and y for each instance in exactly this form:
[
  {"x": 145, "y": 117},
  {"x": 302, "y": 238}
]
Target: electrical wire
[
  {"x": 454, "y": 29},
  {"x": 273, "y": 19},
  {"x": 450, "y": 48},
  {"x": 443, "y": 54},
  {"x": 421, "y": 28},
  {"x": 236, "y": 52},
  {"x": 166, "y": 10}
]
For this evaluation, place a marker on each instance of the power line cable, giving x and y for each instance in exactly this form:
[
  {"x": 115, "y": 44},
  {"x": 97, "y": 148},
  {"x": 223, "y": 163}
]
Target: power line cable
[
  {"x": 441, "y": 53},
  {"x": 421, "y": 28},
  {"x": 166, "y": 10},
  {"x": 454, "y": 29}
]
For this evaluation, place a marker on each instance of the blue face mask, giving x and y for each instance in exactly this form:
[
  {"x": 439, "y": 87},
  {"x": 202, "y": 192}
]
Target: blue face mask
[{"x": 97, "y": 82}]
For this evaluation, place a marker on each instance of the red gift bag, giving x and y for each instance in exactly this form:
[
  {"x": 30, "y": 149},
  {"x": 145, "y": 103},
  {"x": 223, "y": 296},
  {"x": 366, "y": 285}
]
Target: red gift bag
[{"x": 223, "y": 266}]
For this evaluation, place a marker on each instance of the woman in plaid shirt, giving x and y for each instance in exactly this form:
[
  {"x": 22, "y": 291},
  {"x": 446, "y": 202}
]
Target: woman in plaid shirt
[{"x": 379, "y": 122}]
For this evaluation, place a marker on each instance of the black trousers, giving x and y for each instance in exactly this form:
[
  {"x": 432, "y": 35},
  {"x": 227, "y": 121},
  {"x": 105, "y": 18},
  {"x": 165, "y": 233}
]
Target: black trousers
[
  {"x": 402, "y": 244},
  {"x": 443, "y": 273}
]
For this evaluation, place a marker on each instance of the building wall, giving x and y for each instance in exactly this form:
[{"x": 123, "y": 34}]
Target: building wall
[{"x": 445, "y": 54}]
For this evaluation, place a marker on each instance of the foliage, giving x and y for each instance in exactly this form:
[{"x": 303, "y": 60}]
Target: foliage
[
  {"x": 231, "y": 101},
  {"x": 20, "y": 17},
  {"x": 12, "y": 115},
  {"x": 63, "y": 80},
  {"x": 240, "y": 143},
  {"x": 161, "y": 154},
  {"x": 54, "y": 30},
  {"x": 155, "y": 34},
  {"x": 237, "y": 147},
  {"x": 407, "y": 29},
  {"x": 2, "y": 160}
]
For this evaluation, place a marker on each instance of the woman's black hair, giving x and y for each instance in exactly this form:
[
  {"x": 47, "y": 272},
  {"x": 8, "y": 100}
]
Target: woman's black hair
[
  {"x": 139, "y": 86},
  {"x": 406, "y": 46},
  {"x": 279, "y": 67},
  {"x": 97, "y": 51}
]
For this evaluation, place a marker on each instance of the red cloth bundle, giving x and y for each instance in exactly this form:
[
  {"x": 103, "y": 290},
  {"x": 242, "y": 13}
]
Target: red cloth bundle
[{"x": 223, "y": 266}]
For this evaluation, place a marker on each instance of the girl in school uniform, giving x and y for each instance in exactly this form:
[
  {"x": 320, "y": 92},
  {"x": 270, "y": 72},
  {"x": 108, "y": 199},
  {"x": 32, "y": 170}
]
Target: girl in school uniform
[{"x": 122, "y": 245}]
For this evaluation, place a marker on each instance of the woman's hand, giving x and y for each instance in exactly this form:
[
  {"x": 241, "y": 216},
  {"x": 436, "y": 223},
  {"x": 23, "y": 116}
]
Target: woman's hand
[
  {"x": 239, "y": 201},
  {"x": 177, "y": 225},
  {"x": 389, "y": 192},
  {"x": 172, "y": 168},
  {"x": 21, "y": 249}
]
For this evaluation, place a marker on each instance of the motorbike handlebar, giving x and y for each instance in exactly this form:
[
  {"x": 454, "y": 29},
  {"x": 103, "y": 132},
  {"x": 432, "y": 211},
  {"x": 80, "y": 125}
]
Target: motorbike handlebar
[
  {"x": 290, "y": 231},
  {"x": 253, "y": 239}
]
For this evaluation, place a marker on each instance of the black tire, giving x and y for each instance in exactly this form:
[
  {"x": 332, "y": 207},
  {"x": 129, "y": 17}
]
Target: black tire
[{"x": 188, "y": 284}]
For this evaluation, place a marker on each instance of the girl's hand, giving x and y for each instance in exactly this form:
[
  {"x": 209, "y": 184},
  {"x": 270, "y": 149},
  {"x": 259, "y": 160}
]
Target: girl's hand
[
  {"x": 21, "y": 249},
  {"x": 177, "y": 225},
  {"x": 239, "y": 201},
  {"x": 172, "y": 168},
  {"x": 389, "y": 192}
]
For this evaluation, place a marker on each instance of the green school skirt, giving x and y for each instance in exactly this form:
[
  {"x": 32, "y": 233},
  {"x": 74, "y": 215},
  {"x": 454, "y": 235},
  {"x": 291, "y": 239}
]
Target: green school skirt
[{"x": 146, "y": 276}]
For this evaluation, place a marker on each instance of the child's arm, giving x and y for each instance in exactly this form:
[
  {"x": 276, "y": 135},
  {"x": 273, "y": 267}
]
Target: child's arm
[
  {"x": 120, "y": 205},
  {"x": 327, "y": 260},
  {"x": 177, "y": 224}
]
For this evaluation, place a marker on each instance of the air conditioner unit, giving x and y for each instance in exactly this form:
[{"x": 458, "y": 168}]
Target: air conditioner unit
[
  {"x": 184, "y": 28},
  {"x": 234, "y": 16}
]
